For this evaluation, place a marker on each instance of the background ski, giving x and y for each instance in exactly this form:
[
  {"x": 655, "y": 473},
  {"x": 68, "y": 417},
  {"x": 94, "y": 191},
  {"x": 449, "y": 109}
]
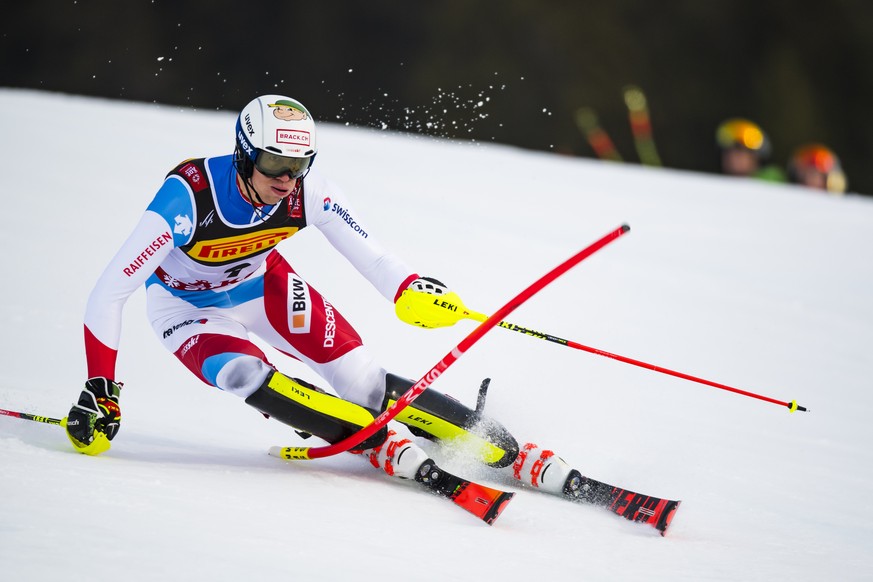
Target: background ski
[{"x": 633, "y": 506}]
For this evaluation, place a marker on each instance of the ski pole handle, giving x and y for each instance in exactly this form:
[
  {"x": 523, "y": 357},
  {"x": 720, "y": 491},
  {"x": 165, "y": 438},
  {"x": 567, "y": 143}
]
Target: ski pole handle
[{"x": 34, "y": 417}]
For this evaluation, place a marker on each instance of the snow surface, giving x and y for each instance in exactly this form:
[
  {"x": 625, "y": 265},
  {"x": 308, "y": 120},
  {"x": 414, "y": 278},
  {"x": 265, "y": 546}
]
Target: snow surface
[{"x": 763, "y": 287}]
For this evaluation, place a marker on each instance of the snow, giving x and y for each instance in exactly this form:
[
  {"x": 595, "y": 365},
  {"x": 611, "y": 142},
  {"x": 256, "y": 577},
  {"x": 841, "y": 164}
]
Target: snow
[{"x": 763, "y": 287}]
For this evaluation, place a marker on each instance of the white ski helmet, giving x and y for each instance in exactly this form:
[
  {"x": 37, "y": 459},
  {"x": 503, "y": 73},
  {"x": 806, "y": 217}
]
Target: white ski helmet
[{"x": 276, "y": 134}]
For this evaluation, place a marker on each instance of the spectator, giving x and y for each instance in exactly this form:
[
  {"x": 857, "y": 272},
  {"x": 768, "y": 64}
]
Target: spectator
[
  {"x": 745, "y": 149},
  {"x": 815, "y": 166}
]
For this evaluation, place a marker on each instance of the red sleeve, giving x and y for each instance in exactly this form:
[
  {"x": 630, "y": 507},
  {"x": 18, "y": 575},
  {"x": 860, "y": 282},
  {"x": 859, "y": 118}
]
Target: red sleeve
[
  {"x": 404, "y": 285},
  {"x": 99, "y": 356}
]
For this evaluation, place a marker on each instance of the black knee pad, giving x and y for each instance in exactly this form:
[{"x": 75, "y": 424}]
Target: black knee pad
[
  {"x": 434, "y": 415},
  {"x": 310, "y": 410}
]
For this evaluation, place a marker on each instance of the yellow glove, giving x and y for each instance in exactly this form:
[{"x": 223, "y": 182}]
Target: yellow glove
[{"x": 428, "y": 303}]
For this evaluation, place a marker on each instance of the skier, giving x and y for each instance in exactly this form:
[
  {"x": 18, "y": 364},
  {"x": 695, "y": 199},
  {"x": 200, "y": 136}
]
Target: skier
[
  {"x": 744, "y": 149},
  {"x": 205, "y": 249},
  {"x": 816, "y": 166}
]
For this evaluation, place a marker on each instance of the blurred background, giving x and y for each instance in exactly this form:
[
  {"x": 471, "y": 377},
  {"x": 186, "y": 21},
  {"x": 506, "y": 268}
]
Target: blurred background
[{"x": 550, "y": 75}]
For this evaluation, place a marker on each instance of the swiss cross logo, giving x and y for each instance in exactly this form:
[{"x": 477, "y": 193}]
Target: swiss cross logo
[
  {"x": 292, "y": 136},
  {"x": 194, "y": 177}
]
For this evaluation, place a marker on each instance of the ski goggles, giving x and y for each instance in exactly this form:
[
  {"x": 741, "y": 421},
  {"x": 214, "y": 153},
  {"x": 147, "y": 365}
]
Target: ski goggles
[{"x": 273, "y": 165}]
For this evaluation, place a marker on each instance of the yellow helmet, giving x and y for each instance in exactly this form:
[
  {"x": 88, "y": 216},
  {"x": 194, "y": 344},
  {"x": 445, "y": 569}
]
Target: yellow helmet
[{"x": 742, "y": 133}]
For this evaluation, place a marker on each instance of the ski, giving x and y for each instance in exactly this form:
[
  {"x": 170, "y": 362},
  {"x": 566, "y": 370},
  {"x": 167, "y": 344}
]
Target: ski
[
  {"x": 601, "y": 143},
  {"x": 630, "y": 505},
  {"x": 641, "y": 125},
  {"x": 484, "y": 502}
]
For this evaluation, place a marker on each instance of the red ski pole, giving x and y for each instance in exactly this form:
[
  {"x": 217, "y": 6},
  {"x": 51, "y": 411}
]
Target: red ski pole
[
  {"x": 792, "y": 406},
  {"x": 34, "y": 417},
  {"x": 303, "y": 453}
]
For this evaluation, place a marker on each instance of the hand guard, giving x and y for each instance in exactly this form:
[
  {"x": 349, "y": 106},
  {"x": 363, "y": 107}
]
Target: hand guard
[
  {"x": 94, "y": 420},
  {"x": 428, "y": 303}
]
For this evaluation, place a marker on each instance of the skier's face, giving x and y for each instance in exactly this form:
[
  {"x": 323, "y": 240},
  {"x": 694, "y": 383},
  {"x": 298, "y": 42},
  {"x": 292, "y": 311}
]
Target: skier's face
[
  {"x": 739, "y": 162},
  {"x": 812, "y": 178},
  {"x": 273, "y": 190}
]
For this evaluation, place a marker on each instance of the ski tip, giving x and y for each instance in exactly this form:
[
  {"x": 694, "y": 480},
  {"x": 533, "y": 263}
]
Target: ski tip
[
  {"x": 276, "y": 452},
  {"x": 667, "y": 516},
  {"x": 625, "y": 227}
]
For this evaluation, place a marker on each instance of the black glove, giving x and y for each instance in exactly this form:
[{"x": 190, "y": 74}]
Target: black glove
[{"x": 94, "y": 420}]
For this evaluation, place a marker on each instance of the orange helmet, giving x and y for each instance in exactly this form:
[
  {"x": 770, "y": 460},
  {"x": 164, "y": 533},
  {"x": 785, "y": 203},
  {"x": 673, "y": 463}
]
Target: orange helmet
[{"x": 817, "y": 166}]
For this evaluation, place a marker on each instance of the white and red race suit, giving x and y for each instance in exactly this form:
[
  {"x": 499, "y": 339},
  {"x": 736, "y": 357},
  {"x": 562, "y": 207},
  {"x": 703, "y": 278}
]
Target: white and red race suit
[{"x": 212, "y": 276}]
